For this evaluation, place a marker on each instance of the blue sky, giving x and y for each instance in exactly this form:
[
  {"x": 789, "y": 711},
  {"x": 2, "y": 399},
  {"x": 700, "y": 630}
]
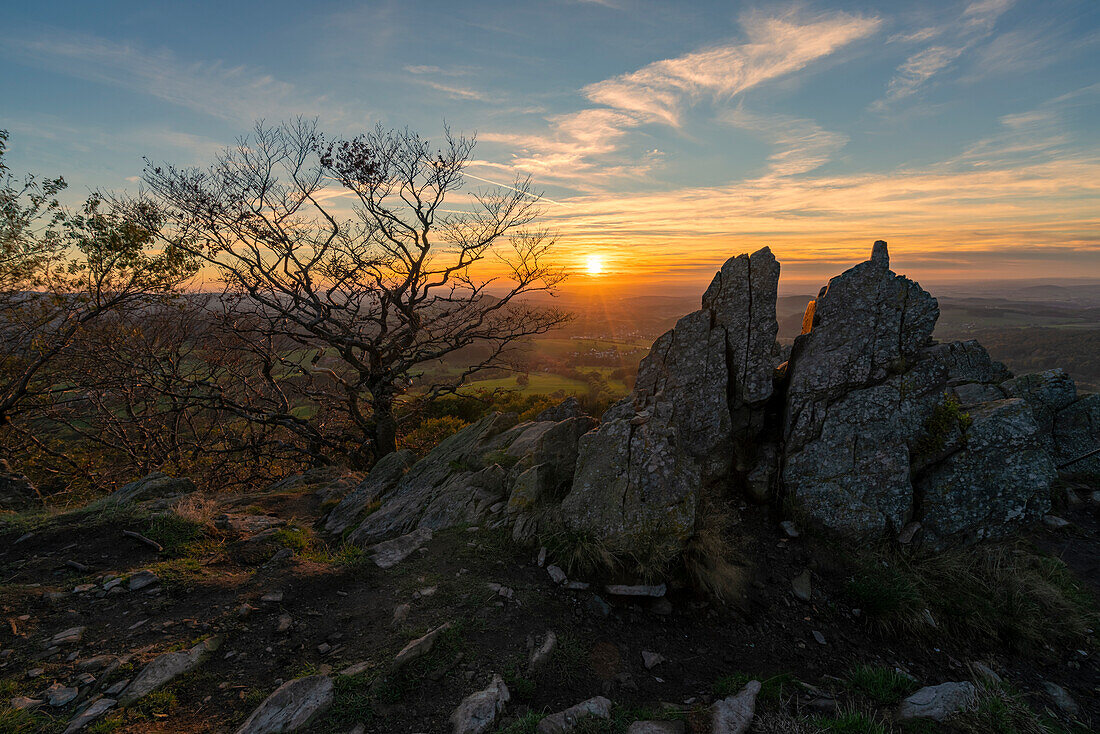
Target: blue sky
[{"x": 667, "y": 135}]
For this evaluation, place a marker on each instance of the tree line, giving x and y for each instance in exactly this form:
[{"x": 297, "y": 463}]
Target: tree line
[{"x": 282, "y": 306}]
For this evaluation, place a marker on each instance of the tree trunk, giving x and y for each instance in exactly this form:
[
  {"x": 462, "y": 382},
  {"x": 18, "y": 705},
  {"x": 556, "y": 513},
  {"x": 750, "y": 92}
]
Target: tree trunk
[{"x": 384, "y": 423}]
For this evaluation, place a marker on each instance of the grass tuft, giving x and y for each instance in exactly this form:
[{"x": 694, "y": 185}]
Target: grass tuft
[{"x": 880, "y": 684}]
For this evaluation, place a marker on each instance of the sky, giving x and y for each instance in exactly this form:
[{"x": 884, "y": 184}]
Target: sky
[{"x": 665, "y": 136}]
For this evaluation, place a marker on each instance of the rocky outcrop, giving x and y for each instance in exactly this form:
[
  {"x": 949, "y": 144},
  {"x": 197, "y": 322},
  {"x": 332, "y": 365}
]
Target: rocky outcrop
[
  {"x": 691, "y": 425},
  {"x": 869, "y": 428},
  {"x": 883, "y": 428},
  {"x": 165, "y": 668}
]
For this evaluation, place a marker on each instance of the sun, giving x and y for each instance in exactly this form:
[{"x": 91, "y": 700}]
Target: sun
[{"x": 594, "y": 265}]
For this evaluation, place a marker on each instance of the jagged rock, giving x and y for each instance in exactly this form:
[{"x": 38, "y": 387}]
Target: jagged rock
[
  {"x": 567, "y": 720},
  {"x": 556, "y": 574},
  {"x": 853, "y": 476},
  {"x": 98, "y": 708},
  {"x": 382, "y": 478},
  {"x": 850, "y": 417},
  {"x": 997, "y": 483},
  {"x": 568, "y": 408},
  {"x": 166, "y": 667},
  {"x": 733, "y": 715},
  {"x": 389, "y": 553},
  {"x": 419, "y": 647},
  {"x": 479, "y": 710},
  {"x": 456, "y": 482},
  {"x": 652, "y": 659},
  {"x": 1077, "y": 432},
  {"x": 291, "y": 706},
  {"x": 690, "y": 422},
  {"x": 157, "y": 485},
  {"x": 965, "y": 362},
  {"x": 938, "y": 702},
  {"x": 1045, "y": 392}
]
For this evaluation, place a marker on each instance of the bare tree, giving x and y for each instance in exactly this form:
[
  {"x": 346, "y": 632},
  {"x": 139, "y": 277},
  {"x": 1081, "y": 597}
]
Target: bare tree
[
  {"x": 62, "y": 270},
  {"x": 371, "y": 258}
]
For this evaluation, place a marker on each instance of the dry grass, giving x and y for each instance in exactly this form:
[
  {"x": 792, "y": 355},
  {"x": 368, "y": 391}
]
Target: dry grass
[
  {"x": 1000, "y": 593},
  {"x": 707, "y": 558},
  {"x": 197, "y": 508}
]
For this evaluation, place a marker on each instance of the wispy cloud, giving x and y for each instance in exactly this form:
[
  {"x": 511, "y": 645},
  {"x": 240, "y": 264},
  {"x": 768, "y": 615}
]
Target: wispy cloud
[
  {"x": 800, "y": 145},
  {"x": 775, "y": 46},
  {"x": 973, "y": 26},
  {"x": 237, "y": 93},
  {"x": 580, "y": 145}
]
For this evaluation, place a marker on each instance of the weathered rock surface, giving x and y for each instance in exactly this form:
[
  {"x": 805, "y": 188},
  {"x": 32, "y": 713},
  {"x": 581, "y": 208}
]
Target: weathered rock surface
[
  {"x": 690, "y": 425},
  {"x": 733, "y": 715},
  {"x": 479, "y": 710},
  {"x": 938, "y": 702},
  {"x": 567, "y": 720},
  {"x": 996, "y": 484},
  {"x": 95, "y": 710},
  {"x": 389, "y": 553},
  {"x": 165, "y": 668},
  {"x": 382, "y": 478},
  {"x": 1076, "y": 433},
  {"x": 291, "y": 706},
  {"x": 157, "y": 485},
  {"x": 418, "y": 647}
]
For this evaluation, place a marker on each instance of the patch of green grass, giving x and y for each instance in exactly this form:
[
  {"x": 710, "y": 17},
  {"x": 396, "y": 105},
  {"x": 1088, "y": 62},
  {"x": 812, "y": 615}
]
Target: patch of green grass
[
  {"x": 23, "y": 722},
  {"x": 353, "y": 704},
  {"x": 852, "y": 722},
  {"x": 522, "y": 688},
  {"x": 526, "y": 724},
  {"x": 157, "y": 704},
  {"x": 174, "y": 533},
  {"x": 772, "y": 689},
  {"x": 177, "y": 572},
  {"x": 883, "y": 685},
  {"x": 107, "y": 724},
  {"x": 1001, "y": 709},
  {"x": 946, "y": 418},
  {"x": 393, "y": 688}
]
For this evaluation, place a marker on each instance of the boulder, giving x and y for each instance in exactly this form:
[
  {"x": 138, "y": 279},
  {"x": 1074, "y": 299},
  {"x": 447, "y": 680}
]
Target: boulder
[
  {"x": 733, "y": 715},
  {"x": 165, "y": 668},
  {"x": 157, "y": 485},
  {"x": 382, "y": 478},
  {"x": 479, "y": 710},
  {"x": 691, "y": 423},
  {"x": 292, "y": 706},
  {"x": 998, "y": 482},
  {"x": 938, "y": 702}
]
